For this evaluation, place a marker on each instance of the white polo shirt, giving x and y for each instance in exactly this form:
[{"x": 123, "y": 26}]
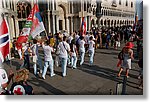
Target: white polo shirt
[
  {"x": 47, "y": 52},
  {"x": 82, "y": 48},
  {"x": 91, "y": 45},
  {"x": 63, "y": 47}
]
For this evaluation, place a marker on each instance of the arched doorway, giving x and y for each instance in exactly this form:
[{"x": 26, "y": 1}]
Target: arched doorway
[
  {"x": 101, "y": 22},
  {"x": 115, "y": 22},
  {"x": 62, "y": 17},
  {"x": 112, "y": 23},
  {"x": 118, "y": 23},
  {"x": 105, "y": 22}
]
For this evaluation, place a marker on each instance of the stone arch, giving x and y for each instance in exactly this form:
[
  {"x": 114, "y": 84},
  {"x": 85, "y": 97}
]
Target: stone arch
[
  {"x": 102, "y": 22},
  {"x": 123, "y": 22},
  {"x": 108, "y": 22},
  {"x": 112, "y": 22},
  {"x": 115, "y": 23},
  {"x": 120, "y": 22},
  {"x": 62, "y": 17},
  {"x": 105, "y": 22}
]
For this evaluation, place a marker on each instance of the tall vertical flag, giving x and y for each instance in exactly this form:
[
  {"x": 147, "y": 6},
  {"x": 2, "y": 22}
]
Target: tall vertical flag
[
  {"x": 33, "y": 26},
  {"x": 37, "y": 24},
  {"x": 83, "y": 26},
  {"x": 4, "y": 39}
]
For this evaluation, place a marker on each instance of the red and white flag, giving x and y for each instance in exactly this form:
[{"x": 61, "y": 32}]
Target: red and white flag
[
  {"x": 4, "y": 39},
  {"x": 33, "y": 26},
  {"x": 83, "y": 26}
]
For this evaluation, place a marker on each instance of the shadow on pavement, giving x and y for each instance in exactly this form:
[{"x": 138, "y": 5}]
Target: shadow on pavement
[
  {"x": 108, "y": 74},
  {"x": 39, "y": 83}
]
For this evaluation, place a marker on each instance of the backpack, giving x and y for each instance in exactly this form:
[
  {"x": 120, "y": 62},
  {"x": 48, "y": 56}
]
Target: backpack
[{"x": 120, "y": 55}]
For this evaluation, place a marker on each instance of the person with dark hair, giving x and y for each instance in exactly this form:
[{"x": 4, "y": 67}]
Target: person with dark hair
[
  {"x": 64, "y": 50},
  {"x": 36, "y": 58},
  {"x": 127, "y": 57},
  {"x": 48, "y": 60},
  {"x": 73, "y": 54},
  {"x": 82, "y": 49},
  {"x": 25, "y": 55}
]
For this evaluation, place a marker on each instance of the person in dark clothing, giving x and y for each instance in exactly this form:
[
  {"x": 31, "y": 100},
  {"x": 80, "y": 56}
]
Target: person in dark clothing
[{"x": 20, "y": 86}]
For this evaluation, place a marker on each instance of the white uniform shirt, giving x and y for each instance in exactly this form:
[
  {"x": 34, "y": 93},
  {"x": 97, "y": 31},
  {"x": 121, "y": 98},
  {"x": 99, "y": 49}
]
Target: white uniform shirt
[
  {"x": 82, "y": 48},
  {"x": 34, "y": 48},
  {"x": 47, "y": 52},
  {"x": 63, "y": 47},
  {"x": 91, "y": 45},
  {"x": 77, "y": 37},
  {"x": 74, "y": 51},
  {"x": 3, "y": 78},
  {"x": 70, "y": 39}
]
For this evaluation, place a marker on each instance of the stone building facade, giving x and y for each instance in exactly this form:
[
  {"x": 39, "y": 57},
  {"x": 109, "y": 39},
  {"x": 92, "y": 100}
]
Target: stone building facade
[
  {"x": 66, "y": 15},
  {"x": 115, "y": 13}
]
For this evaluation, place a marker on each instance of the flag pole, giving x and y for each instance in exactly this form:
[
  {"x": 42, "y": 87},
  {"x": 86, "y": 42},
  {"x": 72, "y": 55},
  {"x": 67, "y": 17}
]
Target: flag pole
[{"x": 46, "y": 34}]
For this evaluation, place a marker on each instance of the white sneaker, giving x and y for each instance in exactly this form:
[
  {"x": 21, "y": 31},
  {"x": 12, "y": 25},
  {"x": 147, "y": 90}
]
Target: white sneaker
[
  {"x": 43, "y": 77},
  {"x": 53, "y": 75}
]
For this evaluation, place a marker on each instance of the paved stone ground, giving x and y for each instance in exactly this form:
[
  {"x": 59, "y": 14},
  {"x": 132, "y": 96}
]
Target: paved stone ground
[{"x": 95, "y": 80}]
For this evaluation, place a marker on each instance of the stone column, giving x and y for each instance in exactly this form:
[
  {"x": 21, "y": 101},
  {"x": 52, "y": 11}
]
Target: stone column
[
  {"x": 72, "y": 6},
  {"x": 89, "y": 23},
  {"x": 12, "y": 27},
  {"x": 53, "y": 16},
  {"x": 69, "y": 7},
  {"x": 17, "y": 27},
  {"x": 71, "y": 30},
  {"x": 49, "y": 22},
  {"x": 57, "y": 23},
  {"x": 67, "y": 24}
]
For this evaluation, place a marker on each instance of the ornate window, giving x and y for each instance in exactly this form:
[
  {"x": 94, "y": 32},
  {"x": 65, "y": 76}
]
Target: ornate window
[{"x": 23, "y": 9}]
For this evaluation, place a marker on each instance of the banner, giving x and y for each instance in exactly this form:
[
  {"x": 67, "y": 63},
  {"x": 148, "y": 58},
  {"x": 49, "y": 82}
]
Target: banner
[
  {"x": 33, "y": 26},
  {"x": 37, "y": 24}
]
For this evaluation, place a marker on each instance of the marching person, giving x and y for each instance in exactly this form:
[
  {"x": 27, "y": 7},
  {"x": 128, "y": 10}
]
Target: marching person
[
  {"x": 82, "y": 49},
  {"x": 73, "y": 50},
  {"x": 48, "y": 60},
  {"x": 25, "y": 55},
  {"x": 36, "y": 58},
  {"x": 91, "y": 50},
  {"x": 64, "y": 50},
  {"x": 127, "y": 57}
]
